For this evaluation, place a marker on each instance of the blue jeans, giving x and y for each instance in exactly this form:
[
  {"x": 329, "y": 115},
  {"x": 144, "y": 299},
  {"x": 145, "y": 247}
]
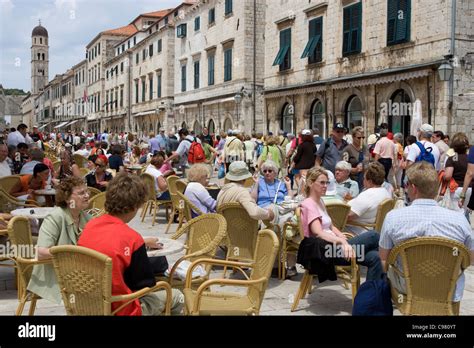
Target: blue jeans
[
  {"x": 368, "y": 243},
  {"x": 165, "y": 196}
]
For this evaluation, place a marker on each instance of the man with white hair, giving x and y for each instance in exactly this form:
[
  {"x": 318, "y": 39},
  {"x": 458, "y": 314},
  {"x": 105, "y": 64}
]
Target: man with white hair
[
  {"x": 5, "y": 169},
  {"x": 346, "y": 188}
]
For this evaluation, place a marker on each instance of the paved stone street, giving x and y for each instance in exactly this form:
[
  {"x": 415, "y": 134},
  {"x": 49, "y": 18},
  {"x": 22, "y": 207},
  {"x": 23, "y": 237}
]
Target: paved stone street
[{"x": 329, "y": 298}]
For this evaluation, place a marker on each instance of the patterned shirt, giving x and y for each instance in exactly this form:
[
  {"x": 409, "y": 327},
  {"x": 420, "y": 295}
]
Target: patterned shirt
[{"x": 425, "y": 218}]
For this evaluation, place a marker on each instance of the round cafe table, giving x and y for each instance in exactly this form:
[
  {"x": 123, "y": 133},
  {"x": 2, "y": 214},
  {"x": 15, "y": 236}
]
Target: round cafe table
[
  {"x": 36, "y": 213},
  {"x": 170, "y": 247},
  {"x": 135, "y": 169},
  {"x": 49, "y": 195},
  {"x": 213, "y": 191}
]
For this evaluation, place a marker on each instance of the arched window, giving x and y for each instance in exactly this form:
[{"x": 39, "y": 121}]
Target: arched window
[
  {"x": 400, "y": 112},
  {"x": 39, "y": 56},
  {"x": 41, "y": 40},
  {"x": 318, "y": 118},
  {"x": 184, "y": 126},
  {"x": 227, "y": 124},
  {"x": 34, "y": 40},
  {"x": 158, "y": 126},
  {"x": 151, "y": 127},
  {"x": 288, "y": 118},
  {"x": 354, "y": 112},
  {"x": 42, "y": 56},
  {"x": 211, "y": 127}
]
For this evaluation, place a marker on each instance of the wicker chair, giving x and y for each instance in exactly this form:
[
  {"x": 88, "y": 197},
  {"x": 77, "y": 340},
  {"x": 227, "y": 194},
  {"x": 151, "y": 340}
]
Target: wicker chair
[
  {"x": 85, "y": 279},
  {"x": 348, "y": 274},
  {"x": 205, "y": 302},
  {"x": 204, "y": 234},
  {"x": 93, "y": 191},
  {"x": 242, "y": 233},
  {"x": 289, "y": 246},
  {"x": 84, "y": 171},
  {"x": 19, "y": 233},
  {"x": 175, "y": 202},
  {"x": 188, "y": 208},
  {"x": 338, "y": 213},
  {"x": 97, "y": 205},
  {"x": 431, "y": 266},
  {"x": 181, "y": 185},
  {"x": 56, "y": 166},
  {"x": 81, "y": 161},
  {"x": 384, "y": 208},
  {"x": 151, "y": 202},
  {"x": 9, "y": 203},
  {"x": 8, "y": 182}
]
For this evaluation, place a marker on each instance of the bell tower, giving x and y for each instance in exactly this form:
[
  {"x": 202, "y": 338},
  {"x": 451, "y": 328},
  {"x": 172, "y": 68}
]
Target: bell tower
[{"x": 39, "y": 59}]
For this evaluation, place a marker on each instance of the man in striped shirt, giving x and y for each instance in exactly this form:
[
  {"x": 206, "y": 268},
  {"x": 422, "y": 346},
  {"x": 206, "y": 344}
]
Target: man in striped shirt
[{"x": 423, "y": 218}]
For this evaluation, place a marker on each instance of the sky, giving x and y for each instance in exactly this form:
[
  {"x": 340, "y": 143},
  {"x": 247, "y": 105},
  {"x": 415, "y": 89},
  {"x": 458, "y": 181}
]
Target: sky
[{"x": 71, "y": 25}]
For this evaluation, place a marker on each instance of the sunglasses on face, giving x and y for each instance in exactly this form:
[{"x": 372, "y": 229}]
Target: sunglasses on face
[
  {"x": 100, "y": 165},
  {"x": 267, "y": 171},
  {"x": 340, "y": 131}
]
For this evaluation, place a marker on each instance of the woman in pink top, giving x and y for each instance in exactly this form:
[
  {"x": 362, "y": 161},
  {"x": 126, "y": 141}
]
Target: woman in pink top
[{"x": 324, "y": 245}]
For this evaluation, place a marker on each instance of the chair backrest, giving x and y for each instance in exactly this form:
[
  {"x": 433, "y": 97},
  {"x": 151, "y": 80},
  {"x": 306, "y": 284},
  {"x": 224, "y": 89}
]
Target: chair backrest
[
  {"x": 93, "y": 191},
  {"x": 149, "y": 182},
  {"x": 188, "y": 207},
  {"x": 84, "y": 171},
  {"x": 171, "y": 181},
  {"x": 300, "y": 225},
  {"x": 265, "y": 253},
  {"x": 338, "y": 213},
  {"x": 205, "y": 233},
  {"x": 19, "y": 234},
  {"x": 98, "y": 201},
  {"x": 431, "y": 267},
  {"x": 242, "y": 231},
  {"x": 56, "y": 166},
  {"x": 85, "y": 279},
  {"x": 7, "y": 202},
  {"x": 81, "y": 161},
  {"x": 181, "y": 186},
  {"x": 384, "y": 208},
  {"x": 8, "y": 182}
]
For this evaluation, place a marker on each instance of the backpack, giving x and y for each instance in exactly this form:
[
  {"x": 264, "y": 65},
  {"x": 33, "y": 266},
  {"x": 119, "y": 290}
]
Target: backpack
[
  {"x": 374, "y": 298},
  {"x": 425, "y": 155},
  {"x": 196, "y": 152}
]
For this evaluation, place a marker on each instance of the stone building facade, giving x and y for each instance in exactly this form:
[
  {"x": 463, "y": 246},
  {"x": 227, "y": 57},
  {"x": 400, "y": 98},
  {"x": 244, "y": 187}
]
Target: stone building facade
[
  {"x": 352, "y": 61},
  {"x": 215, "y": 84}
]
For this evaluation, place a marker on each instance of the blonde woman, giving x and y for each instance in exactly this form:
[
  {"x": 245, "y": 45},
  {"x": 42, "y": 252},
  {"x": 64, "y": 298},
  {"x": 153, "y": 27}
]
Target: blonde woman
[{"x": 324, "y": 246}]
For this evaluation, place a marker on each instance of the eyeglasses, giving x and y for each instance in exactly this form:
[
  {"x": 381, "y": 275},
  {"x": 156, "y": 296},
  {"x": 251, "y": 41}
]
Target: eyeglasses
[
  {"x": 82, "y": 193},
  {"x": 267, "y": 171},
  {"x": 100, "y": 165},
  {"x": 323, "y": 183}
]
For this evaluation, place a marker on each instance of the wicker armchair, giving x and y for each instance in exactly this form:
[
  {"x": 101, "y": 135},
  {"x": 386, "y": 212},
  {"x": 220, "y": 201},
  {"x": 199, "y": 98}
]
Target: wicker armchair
[
  {"x": 93, "y": 191},
  {"x": 181, "y": 185},
  {"x": 19, "y": 233},
  {"x": 56, "y": 166},
  {"x": 188, "y": 208},
  {"x": 338, "y": 213},
  {"x": 9, "y": 203},
  {"x": 205, "y": 302},
  {"x": 384, "y": 208},
  {"x": 175, "y": 202},
  {"x": 97, "y": 205},
  {"x": 203, "y": 236},
  {"x": 289, "y": 246},
  {"x": 242, "y": 233},
  {"x": 85, "y": 279},
  {"x": 8, "y": 182},
  {"x": 84, "y": 171},
  {"x": 431, "y": 266},
  {"x": 151, "y": 202},
  {"x": 80, "y": 160}
]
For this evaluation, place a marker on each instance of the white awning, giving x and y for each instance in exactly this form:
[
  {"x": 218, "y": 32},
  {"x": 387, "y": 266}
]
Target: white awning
[
  {"x": 146, "y": 113},
  {"x": 42, "y": 127},
  {"x": 73, "y": 122},
  {"x": 60, "y": 125}
]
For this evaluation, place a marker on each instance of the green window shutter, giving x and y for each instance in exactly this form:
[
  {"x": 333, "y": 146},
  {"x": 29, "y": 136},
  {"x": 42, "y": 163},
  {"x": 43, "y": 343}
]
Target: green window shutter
[
  {"x": 228, "y": 65},
  {"x": 318, "y": 51},
  {"x": 346, "y": 30},
  {"x": 309, "y": 50},
  {"x": 283, "y": 58},
  {"x": 392, "y": 13},
  {"x": 159, "y": 86},
  {"x": 403, "y": 21},
  {"x": 183, "y": 78},
  {"x": 196, "y": 75},
  {"x": 197, "y": 23},
  {"x": 228, "y": 7},
  {"x": 210, "y": 77}
]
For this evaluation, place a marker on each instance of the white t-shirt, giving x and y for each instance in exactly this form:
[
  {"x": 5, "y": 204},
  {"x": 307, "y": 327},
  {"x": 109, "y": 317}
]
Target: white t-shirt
[
  {"x": 366, "y": 204},
  {"x": 5, "y": 169},
  {"x": 156, "y": 174},
  {"x": 415, "y": 151}
]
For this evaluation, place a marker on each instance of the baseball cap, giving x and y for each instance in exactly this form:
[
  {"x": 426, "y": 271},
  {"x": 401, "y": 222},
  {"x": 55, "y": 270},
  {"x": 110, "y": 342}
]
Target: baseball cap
[
  {"x": 427, "y": 128},
  {"x": 339, "y": 126},
  {"x": 372, "y": 139},
  {"x": 306, "y": 132}
]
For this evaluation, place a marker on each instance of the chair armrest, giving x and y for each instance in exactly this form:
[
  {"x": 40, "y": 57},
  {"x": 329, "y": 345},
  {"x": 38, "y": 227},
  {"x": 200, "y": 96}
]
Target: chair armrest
[
  {"x": 357, "y": 224},
  {"x": 180, "y": 232},
  {"x": 183, "y": 258},
  {"x": 230, "y": 282},
  {"x": 213, "y": 262},
  {"x": 140, "y": 293}
]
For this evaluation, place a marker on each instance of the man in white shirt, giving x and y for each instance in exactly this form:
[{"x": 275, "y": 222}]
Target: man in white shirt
[
  {"x": 19, "y": 136},
  {"x": 5, "y": 169},
  {"x": 424, "y": 134},
  {"x": 81, "y": 150}
]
